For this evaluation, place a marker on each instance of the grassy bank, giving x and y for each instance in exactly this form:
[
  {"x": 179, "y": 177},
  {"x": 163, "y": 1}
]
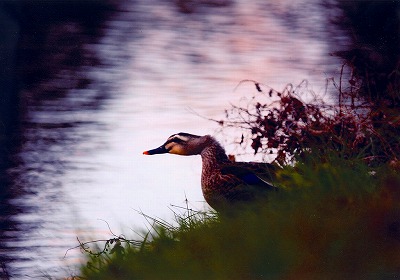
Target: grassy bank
[{"x": 338, "y": 220}]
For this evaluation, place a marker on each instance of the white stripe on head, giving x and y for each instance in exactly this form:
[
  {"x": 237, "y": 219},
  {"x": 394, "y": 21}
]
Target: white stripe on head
[
  {"x": 181, "y": 136},
  {"x": 177, "y": 138}
]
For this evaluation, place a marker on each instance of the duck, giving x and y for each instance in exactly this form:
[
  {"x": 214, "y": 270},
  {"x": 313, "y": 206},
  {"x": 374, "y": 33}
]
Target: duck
[{"x": 224, "y": 183}]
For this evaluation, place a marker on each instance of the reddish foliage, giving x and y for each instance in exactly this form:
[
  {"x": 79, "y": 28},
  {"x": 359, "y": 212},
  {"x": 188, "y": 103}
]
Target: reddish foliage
[{"x": 288, "y": 126}]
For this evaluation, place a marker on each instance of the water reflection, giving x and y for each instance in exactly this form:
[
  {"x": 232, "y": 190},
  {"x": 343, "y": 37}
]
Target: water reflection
[
  {"x": 99, "y": 86},
  {"x": 51, "y": 69}
]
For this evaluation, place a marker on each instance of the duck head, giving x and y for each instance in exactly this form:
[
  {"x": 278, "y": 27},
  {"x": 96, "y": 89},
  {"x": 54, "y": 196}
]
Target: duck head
[{"x": 184, "y": 144}]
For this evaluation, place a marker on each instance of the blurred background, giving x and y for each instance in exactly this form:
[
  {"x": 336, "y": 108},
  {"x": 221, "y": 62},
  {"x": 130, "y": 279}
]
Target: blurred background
[{"x": 87, "y": 86}]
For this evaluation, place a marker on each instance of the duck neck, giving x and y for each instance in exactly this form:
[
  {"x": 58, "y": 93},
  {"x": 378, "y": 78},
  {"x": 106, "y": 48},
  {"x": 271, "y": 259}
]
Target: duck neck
[{"x": 213, "y": 155}]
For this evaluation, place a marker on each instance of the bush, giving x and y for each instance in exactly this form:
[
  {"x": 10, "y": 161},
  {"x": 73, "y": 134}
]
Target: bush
[{"x": 286, "y": 126}]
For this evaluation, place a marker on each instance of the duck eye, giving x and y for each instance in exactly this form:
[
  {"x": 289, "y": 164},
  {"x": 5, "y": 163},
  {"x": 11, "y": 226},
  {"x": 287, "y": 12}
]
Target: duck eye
[
  {"x": 170, "y": 144},
  {"x": 176, "y": 140}
]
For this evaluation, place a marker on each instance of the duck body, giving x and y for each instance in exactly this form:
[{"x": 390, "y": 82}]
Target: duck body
[{"x": 223, "y": 182}]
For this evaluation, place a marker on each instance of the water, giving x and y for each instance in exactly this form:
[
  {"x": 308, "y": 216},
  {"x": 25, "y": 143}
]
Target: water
[{"x": 80, "y": 160}]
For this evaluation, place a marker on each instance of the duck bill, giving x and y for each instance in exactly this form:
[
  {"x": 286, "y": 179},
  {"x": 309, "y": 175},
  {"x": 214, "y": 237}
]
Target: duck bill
[{"x": 159, "y": 150}]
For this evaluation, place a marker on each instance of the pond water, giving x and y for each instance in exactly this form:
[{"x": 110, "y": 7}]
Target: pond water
[{"x": 161, "y": 65}]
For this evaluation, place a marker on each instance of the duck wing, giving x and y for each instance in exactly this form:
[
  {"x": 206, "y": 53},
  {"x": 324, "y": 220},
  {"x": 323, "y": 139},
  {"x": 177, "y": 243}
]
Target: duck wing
[{"x": 252, "y": 173}]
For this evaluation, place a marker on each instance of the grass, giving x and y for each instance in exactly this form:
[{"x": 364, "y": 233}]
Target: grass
[{"x": 333, "y": 221}]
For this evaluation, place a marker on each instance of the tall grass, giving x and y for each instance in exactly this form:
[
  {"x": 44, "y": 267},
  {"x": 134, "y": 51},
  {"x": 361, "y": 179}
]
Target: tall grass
[{"x": 336, "y": 220}]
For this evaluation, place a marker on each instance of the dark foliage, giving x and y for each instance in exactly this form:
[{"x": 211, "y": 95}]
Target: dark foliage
[{"x": 287, "y": 126}]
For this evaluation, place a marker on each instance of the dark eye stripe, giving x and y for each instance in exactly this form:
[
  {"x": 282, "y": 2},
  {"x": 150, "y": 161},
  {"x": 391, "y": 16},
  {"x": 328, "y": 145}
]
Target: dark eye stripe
[{"x": 175, "y": 140}]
